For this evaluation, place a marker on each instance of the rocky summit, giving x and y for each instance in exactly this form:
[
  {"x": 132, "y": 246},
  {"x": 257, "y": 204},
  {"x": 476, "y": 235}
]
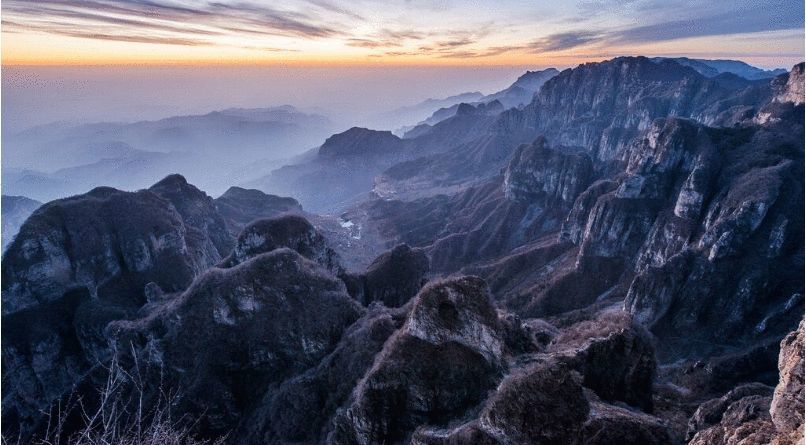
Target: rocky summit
[{"x": 610, "y": 254}]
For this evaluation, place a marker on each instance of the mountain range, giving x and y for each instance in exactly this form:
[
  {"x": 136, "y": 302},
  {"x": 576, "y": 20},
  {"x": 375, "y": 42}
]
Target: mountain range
[
  {"x": 618, "y": 260},
  {"x": 59, "y": 160}
]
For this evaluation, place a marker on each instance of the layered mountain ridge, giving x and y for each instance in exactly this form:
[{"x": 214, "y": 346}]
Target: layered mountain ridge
[{"x": 618, "y": 261}]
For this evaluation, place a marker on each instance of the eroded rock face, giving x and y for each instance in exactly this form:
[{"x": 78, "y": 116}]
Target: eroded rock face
[
  {"x": 736, "y": 194},
  {"x": 603, "y": 106},
  {"x": 793, "y": 89},
  {"x": 438, "y": 366},
  {"x": 755, "y": 413},
  {"x": 711, "y": 412},
  {"x": 197, "y": 209},
  {"x": 609, "y": 424},
  {"x": 84, "y": 261},
  {"x": 241, "y": 329},
  {"x": 538, "y": 173},
  {"x": 291, "y": 231},
  {"x": 543, "y": 404},
  {"x": 300, "y": 409},
  {"x": 745, "y": 421},
  {"x": 112, "y": 243},
  {"x": 786, "y": 408},
  {"x": 615, "y": 357},
  {"x": 574, "y": 225}
]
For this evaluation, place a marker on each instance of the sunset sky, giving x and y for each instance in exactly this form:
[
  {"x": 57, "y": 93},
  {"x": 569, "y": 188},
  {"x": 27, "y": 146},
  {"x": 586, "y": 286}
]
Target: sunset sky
[{"x": 413, "y": 32}]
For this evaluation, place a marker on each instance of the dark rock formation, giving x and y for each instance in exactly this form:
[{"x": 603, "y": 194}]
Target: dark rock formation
[
  {"x": 711, "y": 412},
  {"x": 300, "y": 410},
  {"x": 543, "y": 404},
  {"x": 611, "y": 424},
  {"x": 291, "y": 231},
  {"x": 392, "y": 279},
  {"x": 240, "y": 330},
  {"x": 197, "y": 209},
  {"x": 754, "y": 414},
  {"x": 539, "y": 174},
  {"x": 615, "y": 358},
  {"x": 112, "y": 243},
  {"x": 241, "y": 206},
  {"x": 603, "y": 106},
  {"x": 438, "y": 366}
]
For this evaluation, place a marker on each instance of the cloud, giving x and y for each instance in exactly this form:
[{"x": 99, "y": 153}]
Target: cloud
[
  {"x": 564, "y": 40},
  {"x": 737, "y": 17},
  {"x": 369, "y": 43},
  {"x": 464, "y": 41},
  {"x": 330, "y": 7},
  {"x": 745, "y": 20},
  {"x": 163, "y": 21}
]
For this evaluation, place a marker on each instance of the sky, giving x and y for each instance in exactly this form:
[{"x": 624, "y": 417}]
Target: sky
[
  {"x": 397, "y": 32},
  {"x": 127, "y": 60}
]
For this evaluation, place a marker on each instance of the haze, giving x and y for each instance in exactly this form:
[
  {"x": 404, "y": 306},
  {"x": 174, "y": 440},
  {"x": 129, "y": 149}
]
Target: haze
[{"x": 35, "y": 95}]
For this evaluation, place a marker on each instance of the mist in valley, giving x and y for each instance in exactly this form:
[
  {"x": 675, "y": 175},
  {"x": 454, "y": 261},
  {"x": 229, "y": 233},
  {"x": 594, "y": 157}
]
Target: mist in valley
[{"x": 69, "y": 129}]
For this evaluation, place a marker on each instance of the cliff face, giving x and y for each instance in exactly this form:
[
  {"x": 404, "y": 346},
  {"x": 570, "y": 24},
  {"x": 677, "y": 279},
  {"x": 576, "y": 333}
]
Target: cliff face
[
  {"x": 81, "y": 262},
  {"x": 263, "y": 320},
  {"x": 538, "y": 173},
  {"x": 598, "y": 107},
  {"x": 112, "y": 243},
  {"x": 754, "y": 413},
  {"x": 603, "y": 106}
]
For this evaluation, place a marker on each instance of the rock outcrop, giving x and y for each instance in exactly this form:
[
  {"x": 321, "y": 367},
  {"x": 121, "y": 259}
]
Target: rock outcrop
[
  {"x": 786, "y": 408},
  {"x": 113, "y": 243},
  {"x": 754, "y": 414},
  {"x": 240, "y": 206},
  {"x": 240, "y": 330},
  {"x": 82, "y": 262},
  {"x": 549, "y": 176},
  {"x": 291, "y": 231},
  {"x": 439, "y": 365},
  {"x": 392, "y": 279}
]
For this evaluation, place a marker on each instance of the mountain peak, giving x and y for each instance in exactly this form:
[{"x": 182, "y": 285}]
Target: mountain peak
[
  {"x": 358, "y": 141},
  {"x": 172, "y": 180}
]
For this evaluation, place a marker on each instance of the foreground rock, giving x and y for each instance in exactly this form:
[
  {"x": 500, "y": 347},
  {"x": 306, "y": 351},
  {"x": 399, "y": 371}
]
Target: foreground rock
[
  {"x": 81, "y": 262},
  {"x": 112, "y": 243},
  {"x": 439, "y": 365},
  {"x": 240, "y": 330},
  {"x": 786, "y": 408},
  {"x": 754, "y": 414}
]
